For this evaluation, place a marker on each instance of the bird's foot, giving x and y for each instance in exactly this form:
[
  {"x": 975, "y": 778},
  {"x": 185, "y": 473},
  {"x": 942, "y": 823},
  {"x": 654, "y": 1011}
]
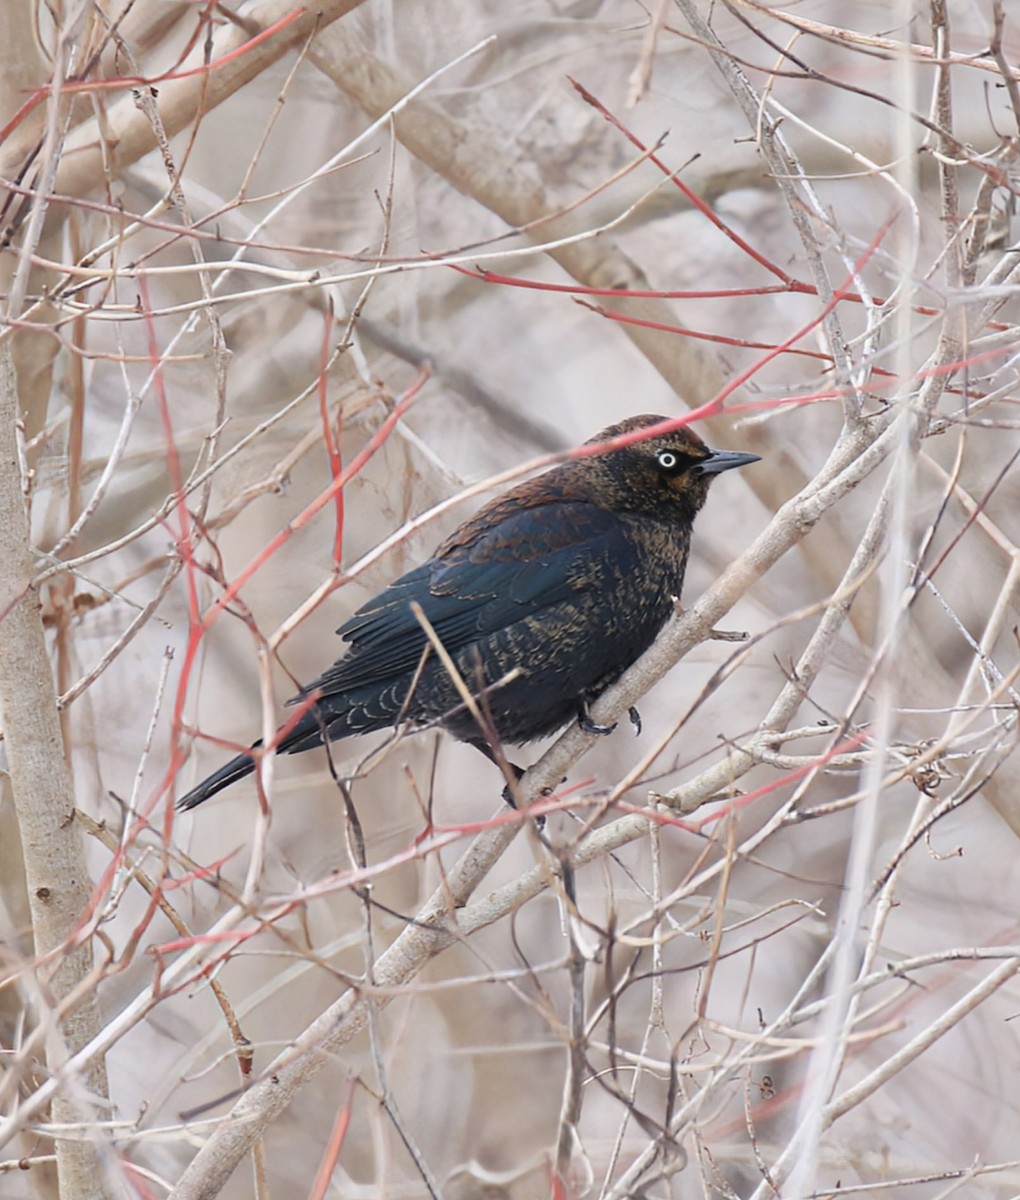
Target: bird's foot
[
  {"x": 729, "y": 635},
  {"x": 635, "y": 720},
  {"x": 508, "y": 796},
  {"x": 590, "y": 726},
  {"x": 508, "y": 791}
]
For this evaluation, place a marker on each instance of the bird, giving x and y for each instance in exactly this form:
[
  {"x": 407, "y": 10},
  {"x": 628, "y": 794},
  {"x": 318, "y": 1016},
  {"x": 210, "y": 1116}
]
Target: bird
[{"x": 540, "y": 601}]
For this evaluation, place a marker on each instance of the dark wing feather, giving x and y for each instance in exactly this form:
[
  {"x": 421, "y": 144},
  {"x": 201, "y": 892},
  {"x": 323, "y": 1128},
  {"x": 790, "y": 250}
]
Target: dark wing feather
[{"x": 489, "y": 578}]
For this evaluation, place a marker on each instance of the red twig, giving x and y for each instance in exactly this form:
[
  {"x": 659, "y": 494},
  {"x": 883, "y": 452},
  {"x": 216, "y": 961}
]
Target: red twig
[
  {"x": 335, "y": 1144},
  {"x": 121, "y": 82},
  {"x": 333, "y": 455},
  {"x": 749, "y": 798},
  {"x": 794, "y": 285},
  {"x": 697, "y": 334},
  {"x": 323, "y": 498},
  {"x": 183, "y": 542},
  {"x": 778, "y": 289},
  {"x": 692, "y": 196}
]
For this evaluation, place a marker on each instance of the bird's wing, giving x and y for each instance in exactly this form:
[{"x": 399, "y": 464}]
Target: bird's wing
[{"x": 504, "y": 565}]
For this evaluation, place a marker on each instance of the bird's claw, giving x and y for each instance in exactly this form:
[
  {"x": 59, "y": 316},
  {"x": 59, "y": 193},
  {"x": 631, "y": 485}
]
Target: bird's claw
[
  {"x": 590, "y": 726},
  {"x": 635, "y": 720}
]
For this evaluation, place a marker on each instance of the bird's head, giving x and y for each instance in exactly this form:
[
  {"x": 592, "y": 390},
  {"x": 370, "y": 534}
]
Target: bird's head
[{"x": 669, "y": 474}]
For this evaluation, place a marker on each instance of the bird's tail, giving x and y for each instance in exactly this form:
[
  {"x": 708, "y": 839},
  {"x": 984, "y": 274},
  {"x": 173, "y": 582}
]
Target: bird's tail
[
  {"x": 306, "y": 733},
  {"x": 229, "y": 773}
]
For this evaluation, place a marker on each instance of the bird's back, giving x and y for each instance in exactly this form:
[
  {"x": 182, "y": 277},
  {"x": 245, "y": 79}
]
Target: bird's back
[{"x": 540, "y": 606}]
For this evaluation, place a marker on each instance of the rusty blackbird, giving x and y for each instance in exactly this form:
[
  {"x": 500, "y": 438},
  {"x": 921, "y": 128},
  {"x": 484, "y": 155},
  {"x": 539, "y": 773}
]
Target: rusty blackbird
[{"x": 541, "y": 600}]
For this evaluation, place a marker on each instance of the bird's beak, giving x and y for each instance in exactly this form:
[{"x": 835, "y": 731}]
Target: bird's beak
[{"x": 725, "y": 460}]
